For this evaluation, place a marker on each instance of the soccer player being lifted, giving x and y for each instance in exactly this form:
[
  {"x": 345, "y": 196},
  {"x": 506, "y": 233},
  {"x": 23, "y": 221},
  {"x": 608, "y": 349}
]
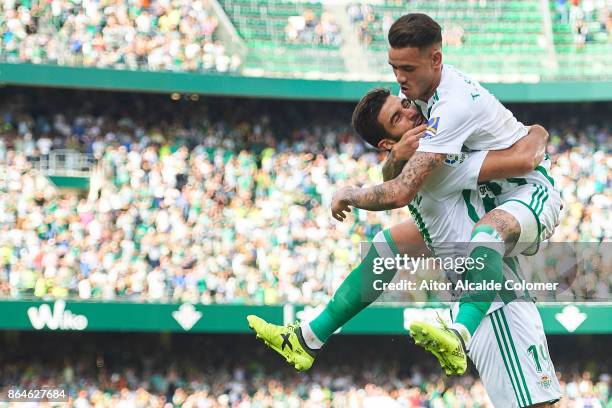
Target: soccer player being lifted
[{"x": 461, "y": 116}]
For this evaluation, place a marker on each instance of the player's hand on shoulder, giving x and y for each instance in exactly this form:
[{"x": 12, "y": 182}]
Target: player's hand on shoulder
[
  {"x": 340, "y": 203},
  {"x": 409, "y": 143}
]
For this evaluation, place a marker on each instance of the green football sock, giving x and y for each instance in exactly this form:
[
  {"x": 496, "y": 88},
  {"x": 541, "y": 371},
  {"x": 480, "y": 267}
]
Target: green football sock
[
  {"x": 488, "y": 247},
  {"x": 356, "y": 292}
]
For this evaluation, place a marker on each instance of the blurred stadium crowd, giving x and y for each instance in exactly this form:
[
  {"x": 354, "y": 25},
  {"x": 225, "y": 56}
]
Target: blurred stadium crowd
[
  {"x": 361, "y": 16},
  {"x": 295, "y": 38},
  {"x": 184, "y": 208},
  {"x": 587, "y": 18},
  {"x": 224, "y": 388},
  {"x": 356, "y": 372},
  {"x": 149, "y": 35},
  {"x": 242, "y": 387},
  {"x": 310, "y": 29}
]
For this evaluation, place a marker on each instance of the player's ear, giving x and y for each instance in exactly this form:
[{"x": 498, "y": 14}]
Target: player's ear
[
  {"x": 386, "y": 144},
  {"x": 436, "y": 57}
]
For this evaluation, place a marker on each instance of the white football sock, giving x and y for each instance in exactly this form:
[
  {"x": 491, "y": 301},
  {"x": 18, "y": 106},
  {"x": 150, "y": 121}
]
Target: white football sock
[
  {"x": 463, "y": 332},
  {"x": 310, "y": 338},
  {"x": 484, "y": 239}
]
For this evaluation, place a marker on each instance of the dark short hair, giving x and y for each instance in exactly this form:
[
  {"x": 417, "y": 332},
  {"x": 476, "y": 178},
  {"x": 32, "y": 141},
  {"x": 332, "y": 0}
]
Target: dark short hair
[
  {"x": 415, "y": 30},
  {"x": 365, "y": 116}
]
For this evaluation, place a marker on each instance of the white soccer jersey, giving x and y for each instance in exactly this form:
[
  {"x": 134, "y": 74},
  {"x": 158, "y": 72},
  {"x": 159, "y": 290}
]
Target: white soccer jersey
[
  {"x": 446, "y": 209},
  {"x": 462, "y": 114},
  {"x": 448, "y": 204}
]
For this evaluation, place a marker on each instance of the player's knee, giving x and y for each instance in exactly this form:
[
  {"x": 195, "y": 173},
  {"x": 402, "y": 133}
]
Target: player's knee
[
  {"x": 406, "y": 233},
  {"x": 501, "y": 223}
]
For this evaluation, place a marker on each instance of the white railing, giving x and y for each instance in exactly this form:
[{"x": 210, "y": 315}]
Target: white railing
[{"x": 65, "y": 162}]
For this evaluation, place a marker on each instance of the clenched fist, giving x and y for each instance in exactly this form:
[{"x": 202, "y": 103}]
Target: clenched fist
[{"x": 340, "y": 203}]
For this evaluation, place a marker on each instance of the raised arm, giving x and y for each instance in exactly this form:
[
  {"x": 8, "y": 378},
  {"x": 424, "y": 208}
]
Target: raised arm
[
  {"x": 401, "y": 152},
  {"x": 391, "y": 194},
  {"x": 392, "y": 167},
  {"x": 517, "y": 160}
]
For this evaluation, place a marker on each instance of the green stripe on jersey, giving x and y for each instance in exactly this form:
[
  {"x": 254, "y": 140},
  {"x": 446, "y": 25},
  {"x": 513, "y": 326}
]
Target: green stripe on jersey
[
  {"x": 545, "y": 174},
  {"x": 508, "y": 355},
  {"x": 542, "y": 197},
  {"x": 418, "y": 220},
  {"x": 542, "y": 200},
  {"x": 471, "y": 210},
  {"x": 518, "y": 362},
  {"x": 512, "y": 378},
  {"x": 533, "y": 212},
  {"x": 517, "y": 180}
]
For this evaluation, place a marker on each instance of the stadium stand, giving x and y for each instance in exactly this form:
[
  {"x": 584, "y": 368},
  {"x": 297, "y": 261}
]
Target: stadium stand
[
  {"x": 494, "y": 40},
  {"x": 192, "y": 208},
  {"x": 476, "y": 34},
  {"x": 582, "y": 36},
  {"x": 510, "y": 41},
  {"x": 290, "y": 38},
  {"x": 155, "y": 35}
]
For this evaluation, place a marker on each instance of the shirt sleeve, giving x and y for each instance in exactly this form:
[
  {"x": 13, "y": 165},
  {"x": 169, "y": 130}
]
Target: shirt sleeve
[
  {"x": 448, "y": 128},
  {"x": 462, "y": 171}
]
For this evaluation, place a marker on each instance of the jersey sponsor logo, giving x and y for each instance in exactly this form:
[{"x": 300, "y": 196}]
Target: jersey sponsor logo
[
  {"x": 432, "y": 127},
  {"x": 484, "y": 190}
]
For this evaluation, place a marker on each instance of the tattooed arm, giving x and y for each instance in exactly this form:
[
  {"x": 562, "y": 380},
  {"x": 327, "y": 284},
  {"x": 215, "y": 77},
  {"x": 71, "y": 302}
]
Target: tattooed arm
[
  {"x": 391, "y": 194},
  {"x": 401, "y": 152},
  {"x": 518, "y": 159},
  {"x": 392, "y": 167}
]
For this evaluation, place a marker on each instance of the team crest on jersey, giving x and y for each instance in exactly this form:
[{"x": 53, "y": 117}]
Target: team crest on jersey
[
  {"x": 432, "y": 127},
  {"x": 454, "y": 160},
  {"x": 545, "y": 382}
]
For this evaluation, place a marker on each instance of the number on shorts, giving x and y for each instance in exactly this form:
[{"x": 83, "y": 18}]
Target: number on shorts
[{"x": 533, "y": 352}]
